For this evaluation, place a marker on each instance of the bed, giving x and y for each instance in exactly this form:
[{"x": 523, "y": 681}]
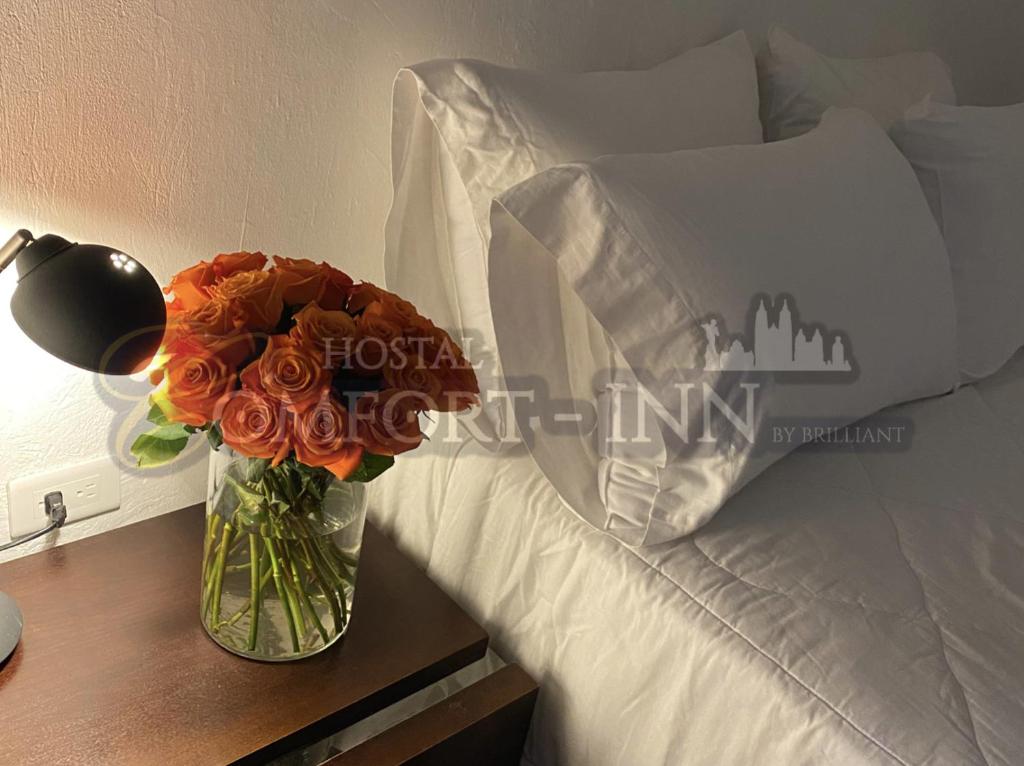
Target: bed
[
  {"x": 843, "y": 608},
  {"x": 693, "y": 599}
]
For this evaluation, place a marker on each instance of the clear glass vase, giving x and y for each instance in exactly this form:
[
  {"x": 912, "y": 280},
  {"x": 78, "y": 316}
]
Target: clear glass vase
[{"x": 280, "y": 556}]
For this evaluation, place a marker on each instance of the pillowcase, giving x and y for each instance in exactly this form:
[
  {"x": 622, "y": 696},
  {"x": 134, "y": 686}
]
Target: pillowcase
[
  {"x": 798, "y": 84},
  {"x": 970, "y": 161},
  {"x": 465, "y": 131},
  {"x": 814, "y": 261}
]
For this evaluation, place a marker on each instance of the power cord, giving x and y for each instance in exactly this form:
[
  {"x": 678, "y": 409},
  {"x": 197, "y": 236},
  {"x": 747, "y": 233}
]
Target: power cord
[{"x": 56, "y": 512}]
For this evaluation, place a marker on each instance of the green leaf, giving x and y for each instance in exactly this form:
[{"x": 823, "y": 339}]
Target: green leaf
[
  {"x": 161, "y": 445},
  {"x": 252, "y": 504},
  {"x": 156, "y": 415},
  {"x": 371, "y": 467},
  {"x": 255, "y": 467},
  {"x": 215, "y": 436}
]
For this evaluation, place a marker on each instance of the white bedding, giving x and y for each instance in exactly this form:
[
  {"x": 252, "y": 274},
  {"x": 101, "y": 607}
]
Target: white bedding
[
  {"x": 842, "y": 609},
  {"x": 654, "y": 245}
]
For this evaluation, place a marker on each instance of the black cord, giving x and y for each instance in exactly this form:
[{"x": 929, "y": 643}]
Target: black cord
[{"x": 58, "y": 515}]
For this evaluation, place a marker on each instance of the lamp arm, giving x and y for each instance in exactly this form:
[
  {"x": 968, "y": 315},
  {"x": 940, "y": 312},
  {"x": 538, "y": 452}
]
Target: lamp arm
[{"x": 22, "y": 238}]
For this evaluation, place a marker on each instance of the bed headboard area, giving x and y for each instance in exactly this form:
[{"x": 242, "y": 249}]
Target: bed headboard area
[{"x": 980, "y": 41}]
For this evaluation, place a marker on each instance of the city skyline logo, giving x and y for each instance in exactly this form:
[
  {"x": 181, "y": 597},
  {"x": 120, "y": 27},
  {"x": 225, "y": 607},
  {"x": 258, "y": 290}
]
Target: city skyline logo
[{"x": 781, "y": 343}]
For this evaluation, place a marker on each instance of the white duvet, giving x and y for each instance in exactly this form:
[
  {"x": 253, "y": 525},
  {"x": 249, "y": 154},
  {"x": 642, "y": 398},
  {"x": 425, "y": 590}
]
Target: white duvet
[{"x": 842, "y": 609}]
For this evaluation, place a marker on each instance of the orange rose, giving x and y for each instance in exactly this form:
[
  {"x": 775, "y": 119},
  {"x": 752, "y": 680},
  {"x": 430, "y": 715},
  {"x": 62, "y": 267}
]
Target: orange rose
[
  {"x": 217, "y": 325},
  {"x": 255, "y": 425},
  {"x": 290, "y": 372},
  {"x": 437, "y": 347},
  {"x": 337, "y": 287},
  {"x": 362, "y": 295},
  {"x": 387, "y": 421},
  {"x": 377, "y": 338},
  {"x": 397, "y": 311},
  {"x": 301, "y": 279},
  {"x": 215, "y": 317},
  {"x": 255, "y": 295},
  {"x": 307, "y": 282},
  {"x": 332, "y": 332},
  {"x": 226, "y": 264},
  {"x": 457, "y": 374},
  {"x": 408, "y": 372},
  {"x": 461, "y": 389},
  {"x": 191, "y": 287},
  {"x": 443, "y": 356},
  {"x": 421, "y": 327},
  {"x": 322, "y": 438},
  {"x": 197, "y": 380}
]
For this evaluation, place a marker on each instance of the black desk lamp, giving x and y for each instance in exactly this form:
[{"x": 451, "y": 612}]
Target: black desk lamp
[{"x": 91, "y": 306}]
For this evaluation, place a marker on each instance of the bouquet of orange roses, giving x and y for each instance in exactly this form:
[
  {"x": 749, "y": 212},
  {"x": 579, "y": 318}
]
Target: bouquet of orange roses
[{"x": 305, "y": 384}]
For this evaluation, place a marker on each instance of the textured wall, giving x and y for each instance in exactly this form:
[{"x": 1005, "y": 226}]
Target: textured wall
[{"x": 175, "y": 129}]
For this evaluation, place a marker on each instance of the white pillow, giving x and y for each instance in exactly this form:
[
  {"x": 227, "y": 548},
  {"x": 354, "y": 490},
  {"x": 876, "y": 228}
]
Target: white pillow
[
  {"x": 970, "y": 161},
  {"x": 465, "y": 131},
  {"x": 657, "y": 245},
  {"x": 798, "y": 84}
]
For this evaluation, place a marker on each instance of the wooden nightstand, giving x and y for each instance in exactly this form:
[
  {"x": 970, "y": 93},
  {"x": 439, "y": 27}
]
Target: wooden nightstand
[{"x": 114, "y": 667}]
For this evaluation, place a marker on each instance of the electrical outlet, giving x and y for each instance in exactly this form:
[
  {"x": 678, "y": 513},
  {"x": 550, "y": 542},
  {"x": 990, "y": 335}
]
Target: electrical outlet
[{"x": 88, "y": 488}]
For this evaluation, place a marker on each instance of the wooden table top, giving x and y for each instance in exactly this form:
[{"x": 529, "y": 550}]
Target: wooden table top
[{"x": 114, "y": 666}]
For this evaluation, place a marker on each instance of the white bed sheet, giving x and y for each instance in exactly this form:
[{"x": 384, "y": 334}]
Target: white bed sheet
[{"x": 842, "y": 609}]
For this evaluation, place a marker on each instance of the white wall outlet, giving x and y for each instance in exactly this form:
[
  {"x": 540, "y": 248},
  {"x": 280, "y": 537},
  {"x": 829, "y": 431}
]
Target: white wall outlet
[{"x": 88, "y": 488}]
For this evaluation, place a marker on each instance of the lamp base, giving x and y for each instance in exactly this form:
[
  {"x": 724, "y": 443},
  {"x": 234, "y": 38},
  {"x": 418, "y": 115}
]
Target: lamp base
[{"x": 10, "y": 626}]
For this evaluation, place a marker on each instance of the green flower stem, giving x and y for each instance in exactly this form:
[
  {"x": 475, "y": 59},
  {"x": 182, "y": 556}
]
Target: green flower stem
[
  {"x": 264, "y": 579},
  {"x": 304, "y": 596},
  {"x": 212, "y": 528},
  {"x": 212, "y": 524},
  {"x": 256, "y": 588},
  {"x": 218, "y": 571},
  {"x": 279, "y": 585},
  {"x": 237, "y": 540},
  {"x": 280, "y": 519},
  {"x": 336, "y": 579},
  {"x": 323, "y": 582},
  {"x": 293, "y": 600},
  {"x": 322, "y": 548}
]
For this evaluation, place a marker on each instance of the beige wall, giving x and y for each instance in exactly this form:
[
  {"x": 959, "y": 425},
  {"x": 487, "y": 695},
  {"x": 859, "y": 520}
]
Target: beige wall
[{"x": 175, "y": 129}]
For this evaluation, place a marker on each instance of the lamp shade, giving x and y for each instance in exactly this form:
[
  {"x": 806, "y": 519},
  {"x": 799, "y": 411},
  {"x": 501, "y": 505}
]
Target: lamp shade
[{"x": 89, "y": 305}]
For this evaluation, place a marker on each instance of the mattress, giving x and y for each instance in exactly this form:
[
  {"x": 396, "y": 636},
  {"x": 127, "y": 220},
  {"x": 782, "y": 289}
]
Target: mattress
[{"x": 847, "y": 607}]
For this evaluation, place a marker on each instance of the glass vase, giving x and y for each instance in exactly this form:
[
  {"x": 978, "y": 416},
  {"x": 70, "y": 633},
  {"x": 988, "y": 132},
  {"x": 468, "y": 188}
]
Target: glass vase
[{"x": 280, "y": 556}]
